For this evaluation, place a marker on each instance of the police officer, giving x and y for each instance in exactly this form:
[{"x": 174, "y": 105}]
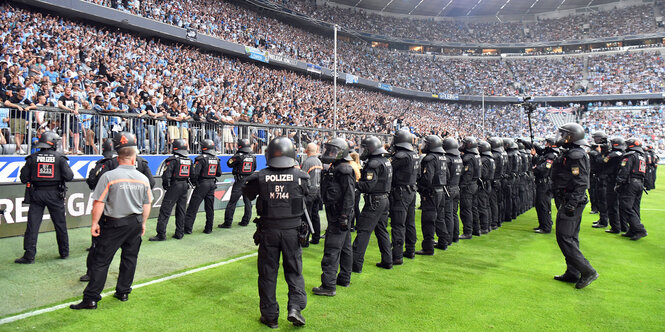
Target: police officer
[
  {"x": 610, "y": 170},
  {"x": 375, "y": 180},
  {"x": 630, "y": 184},
  {"x": 107, "y": 163},
  {"x": 496, "y": 197},
  {"x": 45, "y": 173},
  {"x": 455, "y": 166},
  {"x": 652, "y": 167},
  {"x": 338, "y": 194},
  {"x": 281, "y": 189},
  {"x": 543, "y": 172},
  {"x": 594, "y": 157},
  {"x": 121, "y": 207},
  {"x": 469, "y": 187},
  {"x": 204, "y": 175},
  {"x": 597, "y": 184},
  {"x": 514, "y": 166},
  {"x": 243, "y": 164},
  {"x": 175, "y": 181},
  {"x": 523, "y": 182},
  {"x": 485, "y": 189},
  {"x": 431, "y": 186},
  {"x": 570, "y": 176},
  {"x": 313, "y": 167},
  {"x": 406, "y": 165}
]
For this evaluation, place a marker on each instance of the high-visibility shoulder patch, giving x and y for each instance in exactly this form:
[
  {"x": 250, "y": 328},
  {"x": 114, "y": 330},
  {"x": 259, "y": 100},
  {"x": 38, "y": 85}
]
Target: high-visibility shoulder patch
[{"x": 575, "y": 170}]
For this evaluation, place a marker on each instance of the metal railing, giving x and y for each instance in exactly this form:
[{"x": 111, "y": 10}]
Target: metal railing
[{"x": 84, "y": 133}]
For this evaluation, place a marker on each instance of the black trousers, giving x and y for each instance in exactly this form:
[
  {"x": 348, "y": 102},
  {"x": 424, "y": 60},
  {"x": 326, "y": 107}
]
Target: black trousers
[
  {"x": 39, "y": 199},
  {"x": 175, "y": 195},
  {"x": 613, "y": 213},
  {"x": 507, "y": 186},
  {"x": 337, "y": 254},
  {"x": 593, "y": 198},
  {"x": 630, "y": 198},
  {"x": 313, "y": 210},
  {"x": 522, "y": 198},
  {"x": 432, "y": 205},
  {"x": 567, "y": 236},
  {"x": 236, "y": 193},
  {"x": 544, "y": 206},
  {"x": 110, "y": 239},
  {"x": 484, "y": 207},
  {"x": 601, "y": 202},
  {"x": 452, "y": 219},
  {"x": 516, "y": 199},
  {"x": 276, "y": 242},
  {"x": 403, "y": 221},
  {"x": 204, "y": 192},
  {"x": 356, "y": 209},
  {"x": 373, "y": 218},
  {"x": 494, "y": 204},
  {"x": 440, "y": 225},
  {"x": 497, "y": 193},
  {"x": 467, "y": 194}
]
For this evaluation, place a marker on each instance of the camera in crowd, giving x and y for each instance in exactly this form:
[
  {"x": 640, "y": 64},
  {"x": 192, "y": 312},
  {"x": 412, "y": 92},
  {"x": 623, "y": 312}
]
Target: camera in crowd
[{"x": 527, "y": 105}]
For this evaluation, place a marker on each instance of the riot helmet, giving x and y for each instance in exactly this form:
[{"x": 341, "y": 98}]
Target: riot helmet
[
  {"x": 244, "y": 145},
  {"x": 107, "y": 149},
  {"x": 470, "y": 144},
  {"x": 433, "y": 144},
  {"x": 334, "y": 150},
  {"x": 208, "y": 147},
  {"x": 48, "y": 140},
  {"x": 618, "y": 143},
  {"x": 281, "y": 153},
  {"x": 485, "y": 148},
  {"x": 180, "y": 147},
  {"x": 496, "y": 143},
  {"x": 372, "y": 146},
  {"x": 572, "y": 134},
  {"x": 634, "y": 144},
  {"x": 451, "y": 146},
  {"x": 403, "y": 139}
]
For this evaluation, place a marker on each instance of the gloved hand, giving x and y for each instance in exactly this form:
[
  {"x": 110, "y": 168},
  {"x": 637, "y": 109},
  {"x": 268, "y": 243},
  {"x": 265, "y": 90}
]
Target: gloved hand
[
  {"x": 344, "y": 224},
  {"x": 569, "y": 210}
]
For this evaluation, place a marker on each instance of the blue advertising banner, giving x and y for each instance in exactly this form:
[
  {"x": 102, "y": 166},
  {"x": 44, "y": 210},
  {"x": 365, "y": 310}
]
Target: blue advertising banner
[
  {"x": 386, "y": 87},
  {"x": 257, "y": 55},
  {"x": 313, "y": 68},
  {"x": 10, "y": 166},
  {"x": 351, "y": 79}
]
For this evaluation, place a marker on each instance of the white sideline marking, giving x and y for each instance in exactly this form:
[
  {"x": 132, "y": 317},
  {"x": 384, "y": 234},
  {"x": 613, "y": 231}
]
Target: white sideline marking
[
  {"x": 652, "y": 209},
  {"x": 152, "y": 282}
]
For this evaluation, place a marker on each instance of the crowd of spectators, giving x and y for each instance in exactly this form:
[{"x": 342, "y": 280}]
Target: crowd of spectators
[
  {"x": 616, "y": 22},
  {"x": 627, "y": 73},
  {"x": 646, "y": 123}
]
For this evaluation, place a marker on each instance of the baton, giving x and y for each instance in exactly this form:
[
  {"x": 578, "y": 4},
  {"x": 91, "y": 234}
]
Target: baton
[{"x": 309, "y": 221}]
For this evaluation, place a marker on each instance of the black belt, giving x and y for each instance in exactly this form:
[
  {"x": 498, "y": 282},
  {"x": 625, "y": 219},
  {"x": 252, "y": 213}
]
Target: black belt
[
  {"x": 377, "y": 195},
  {"x": 117, "y": 222},
  {"x": 543, "y": 180},
  {"x": 180, "y": 179},
  {"x": 636, "y": 178},
  {"x": 45, "y": 186}
]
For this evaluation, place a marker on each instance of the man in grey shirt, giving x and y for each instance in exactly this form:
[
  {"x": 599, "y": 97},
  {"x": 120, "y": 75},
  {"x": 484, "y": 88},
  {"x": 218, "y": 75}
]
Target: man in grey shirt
[
  {"x": 312, "y": 166},
  {"x": 121, "y": 207}
]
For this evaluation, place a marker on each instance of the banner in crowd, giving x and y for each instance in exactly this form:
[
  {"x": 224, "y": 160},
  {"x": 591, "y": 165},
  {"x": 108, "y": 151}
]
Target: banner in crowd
[
  {"x": 351, "y": 79},
  {"x": 78, "y": 205},
  {"x": 447, "y": 96},
  {"x": 313, "y": 68},
  {"x": 281, "y": 59},
  {"x": 386, "y": 87},
  {"x": 10, "y": 166},
  {"x": 257, "y": 54}
]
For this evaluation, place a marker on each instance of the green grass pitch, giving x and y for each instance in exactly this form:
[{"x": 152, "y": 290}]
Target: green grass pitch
[{"x": 502, "y": 281}]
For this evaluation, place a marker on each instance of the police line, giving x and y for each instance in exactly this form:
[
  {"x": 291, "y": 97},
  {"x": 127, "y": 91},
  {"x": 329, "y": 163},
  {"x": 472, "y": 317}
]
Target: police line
[{"x": 78, "y": 202}]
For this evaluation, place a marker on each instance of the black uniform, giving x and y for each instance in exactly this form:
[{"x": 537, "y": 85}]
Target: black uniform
[
  {"x": 431, "y": 186},
  {"x": 484, "y": 191},
  {"x": 106, "y": 164},
  {"x": 281, "y": 193},
  {"x": 611, "y": 165},
  {"x": 468, "y": 194},
  {"x": 455, "y": 167},
  {"x": 510, "y": 174},
  {"x": 496, "y": 196},
  {"x": 652, "y": 167},
  {"x": 570, "y": 176},
  {"x": 630, "y": 184},
  {"x": 523, "y": 183},
  {"x": 243, "y": 165},
  {"x": 174, "y": 181},
  {"x": 337, "y": 193},
  {"x": 406, "y": 165},
  {"x": 45, "y": 173},
  {"x": 543, "y": 173},
  {"x": 374, "y": 183},
  {"x": 204, "y": 175},
  {"x": 598, "y": 183}
]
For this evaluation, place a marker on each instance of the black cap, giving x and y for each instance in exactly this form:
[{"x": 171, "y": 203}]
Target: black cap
[
  {"x": 123, "y": 140},
  {"x": 433, "y": 144},
  {"x": 48, "y": 140},
  {"x": 208, "y": 147},
  {"x": 372, "y": 146},
  {"x": 281, "y": 153},
  {"x": 244, "y": 145},
  {"x": 403, "y": 139},
  {"x": 180, "y": 147}
]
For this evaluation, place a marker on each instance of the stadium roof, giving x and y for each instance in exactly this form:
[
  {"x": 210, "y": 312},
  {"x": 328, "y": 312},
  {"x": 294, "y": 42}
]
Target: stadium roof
[{"x": 457, "y": 8}]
